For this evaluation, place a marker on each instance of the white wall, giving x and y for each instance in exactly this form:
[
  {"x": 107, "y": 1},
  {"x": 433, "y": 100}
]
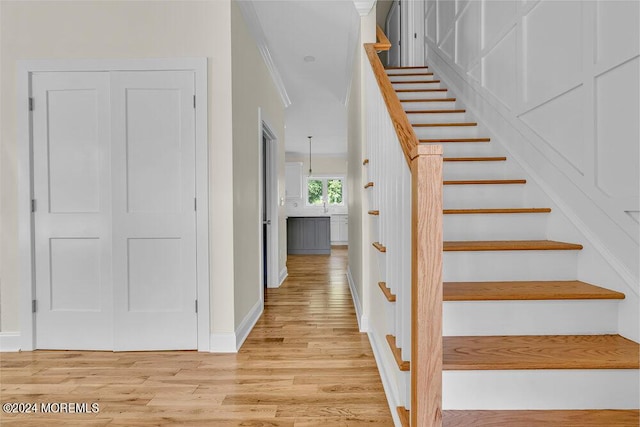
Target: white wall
[
  {"x": 557, "y": 83},
  {"x": 150, "y": 29},
  {"x": 253, "y": 89}
]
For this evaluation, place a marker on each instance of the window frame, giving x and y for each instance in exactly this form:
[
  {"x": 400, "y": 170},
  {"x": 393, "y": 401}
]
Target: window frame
[{"x": 325, "y": 195}]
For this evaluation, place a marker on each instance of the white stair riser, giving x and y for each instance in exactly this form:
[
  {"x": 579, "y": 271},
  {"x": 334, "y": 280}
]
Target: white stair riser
[
  {"x": 408, "y": 70},
  {"x": 423, "y": 95},
  {"x": 565, "y": 317},
  {"x": 426, "y": 85},
  {"x": 409, "y": 78},
  {"x": 483, "y": 196},
  {"x": 495, "y": 226},
  {"x": 541, "y": 389},
  {"x": 470, "y": 149},
  {"x": 433, "y": 105},
  {"x": 478, "y": 170},
  {"x": 509, "y": 265},
  {"x": 448, "y": 132},
  {"x": 437, "y": 117}
]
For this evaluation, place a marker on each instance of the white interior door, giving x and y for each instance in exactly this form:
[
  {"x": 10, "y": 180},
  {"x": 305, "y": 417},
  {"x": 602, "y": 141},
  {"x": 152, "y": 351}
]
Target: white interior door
[
  {"x": 154, "y": 240},
  {"x": 393, "y": 25},
  {"x": 72, "y": 201},
  {"x": 115, "y": 223}
]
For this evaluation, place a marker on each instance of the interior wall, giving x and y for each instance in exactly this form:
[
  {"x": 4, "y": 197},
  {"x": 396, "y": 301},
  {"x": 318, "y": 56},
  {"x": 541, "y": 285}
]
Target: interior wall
[
  {"x": 113, "y": 29},
  {"x": 253, "y": 89},
  {"x": 359, "y": 262},
  {"x": 557, "y": 83},
  {"x": 320, "y": 164}
]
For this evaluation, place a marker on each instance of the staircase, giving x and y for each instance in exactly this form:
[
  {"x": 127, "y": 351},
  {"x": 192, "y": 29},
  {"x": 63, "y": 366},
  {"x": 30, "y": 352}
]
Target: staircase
[{"x": 525, "y": 344}]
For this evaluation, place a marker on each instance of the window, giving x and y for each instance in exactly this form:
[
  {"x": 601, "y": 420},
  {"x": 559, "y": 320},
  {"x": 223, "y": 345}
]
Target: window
[{"x": 328, "y": 190}]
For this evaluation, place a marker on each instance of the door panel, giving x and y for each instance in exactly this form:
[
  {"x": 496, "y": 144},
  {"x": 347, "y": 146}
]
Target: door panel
[
  {"x": 153, "y": 210},
  {"x": 71, "y": 140}
]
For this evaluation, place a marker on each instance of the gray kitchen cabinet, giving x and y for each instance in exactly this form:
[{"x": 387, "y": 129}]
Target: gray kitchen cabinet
[{"x": 308, "y": 235}]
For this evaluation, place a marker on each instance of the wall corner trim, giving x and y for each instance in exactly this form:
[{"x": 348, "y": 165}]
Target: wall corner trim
[{"x": 284, "y": 273}]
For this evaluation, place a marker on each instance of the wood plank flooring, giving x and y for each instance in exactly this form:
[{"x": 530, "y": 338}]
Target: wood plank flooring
[{"x": 304, "y": 364}]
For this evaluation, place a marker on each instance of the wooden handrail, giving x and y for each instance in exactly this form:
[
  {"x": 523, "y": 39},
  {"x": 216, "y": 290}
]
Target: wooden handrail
[
  {"x": 383, "y": 42},
  {"x": 404, "y": 130},
  {"x": 425, "y": 163}
]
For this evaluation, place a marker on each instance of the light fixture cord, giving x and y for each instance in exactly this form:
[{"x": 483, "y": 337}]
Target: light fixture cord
[{"x": 309, "y": 155}]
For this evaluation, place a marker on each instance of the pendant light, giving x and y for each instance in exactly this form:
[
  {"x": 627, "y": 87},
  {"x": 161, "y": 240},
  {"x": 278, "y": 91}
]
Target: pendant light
[{"x": 309, "y": 154}]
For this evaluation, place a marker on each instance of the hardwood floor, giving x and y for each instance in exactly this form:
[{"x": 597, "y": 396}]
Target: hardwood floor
[{"x": 304, "y": 364}]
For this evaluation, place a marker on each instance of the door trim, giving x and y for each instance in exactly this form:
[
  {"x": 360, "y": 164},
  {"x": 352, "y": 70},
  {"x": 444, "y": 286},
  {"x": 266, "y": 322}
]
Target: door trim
[
  {"x": 26, "y": 234},
  {"x": 273, "y": 272}
]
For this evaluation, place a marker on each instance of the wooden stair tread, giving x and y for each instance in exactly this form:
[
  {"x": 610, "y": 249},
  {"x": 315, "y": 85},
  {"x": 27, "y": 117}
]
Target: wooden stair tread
[
  {"x": 541, "y": 418},
  {"x": 403, "y": 365},
  {"x": 474, "y": 159},
  {"x": 435, "y": 111},
  {"x": 440, "y": 89},
  {"x": 485, "y": 181},
  {"x": 443, "y": 125},
  {"x": 508, "y": 245},
  {"x": 409, "y": 74},
  {"x": 495, "y": 211},
  {"x": 406, "y": 68},
  {"x": 540, "y": 352},
  {"x": 441, "y": 140},
  {"x": 429, "y": 100},
  {"x": 414, "y": 82},
  {"x": 387, "y": 292},
  {"x": 526, "y": 290}
]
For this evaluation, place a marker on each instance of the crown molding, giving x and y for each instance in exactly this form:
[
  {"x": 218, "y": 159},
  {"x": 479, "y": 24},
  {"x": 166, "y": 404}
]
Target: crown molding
[
  {"x": 255, "y": 28},
  {"x": 364, "y": 6}
]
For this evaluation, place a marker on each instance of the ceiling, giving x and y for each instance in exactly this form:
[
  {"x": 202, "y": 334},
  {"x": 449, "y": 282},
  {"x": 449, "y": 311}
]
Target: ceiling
[{"x": 328, "y": 31}]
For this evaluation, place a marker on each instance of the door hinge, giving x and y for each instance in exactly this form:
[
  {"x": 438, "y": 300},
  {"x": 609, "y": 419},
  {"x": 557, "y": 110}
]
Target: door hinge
[
  {"x": 194, "y": 101},
  {"x": 195, "y": 204},
  {"x": 196, "y": 306},
  {"x": 33, "y": 205},
  {"x": 30, "y": 104},
  {"x": 34, "y": 306}
]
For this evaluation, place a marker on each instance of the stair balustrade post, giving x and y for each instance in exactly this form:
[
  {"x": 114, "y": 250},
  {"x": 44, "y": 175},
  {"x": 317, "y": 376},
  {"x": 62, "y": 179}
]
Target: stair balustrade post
[{"x": 426, "y": 286}]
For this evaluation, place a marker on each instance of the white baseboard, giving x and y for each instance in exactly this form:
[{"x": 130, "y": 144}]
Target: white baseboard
[
  {"x": 363, "y": 321},
  {"x": 231, "y": 342},
  {"x": 386, "y": 379},
  {"x": 223, "y": 343},
  {"x": 284, "y": 273},
  {"x": 247, "y": 324},
  {"x": 10, "y": 341}
]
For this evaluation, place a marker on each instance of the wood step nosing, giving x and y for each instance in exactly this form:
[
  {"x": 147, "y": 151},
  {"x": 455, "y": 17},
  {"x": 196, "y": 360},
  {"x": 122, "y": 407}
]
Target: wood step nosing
[
  {"x": 532, "y": 290},
  {"x": 391, "y": 297},
  {"x": 380, "y": 247},
  {"x": 454, "y": 111},
  {"x": 495, "y": 211},
  {"x": 415, "y": 82},
  {"x": 455, "y": 140},
  {"x": 508, "y": 245},
  {"x": 403, "y": 365},
  {"x": 486, "y": 182},
  {"x": 474, "y": 159},
  {"x": 444, "y": 125},
  {"x": 429, "y": 100},
  {"x": 527, "y": 352}
]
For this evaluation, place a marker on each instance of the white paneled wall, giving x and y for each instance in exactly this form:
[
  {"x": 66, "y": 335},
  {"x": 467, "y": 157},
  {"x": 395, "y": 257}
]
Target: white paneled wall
[{"x": 557, "y": 83}]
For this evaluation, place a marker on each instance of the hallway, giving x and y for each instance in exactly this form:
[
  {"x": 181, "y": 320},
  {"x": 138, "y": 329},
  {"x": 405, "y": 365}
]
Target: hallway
[{"x": 304, "y": 364}]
